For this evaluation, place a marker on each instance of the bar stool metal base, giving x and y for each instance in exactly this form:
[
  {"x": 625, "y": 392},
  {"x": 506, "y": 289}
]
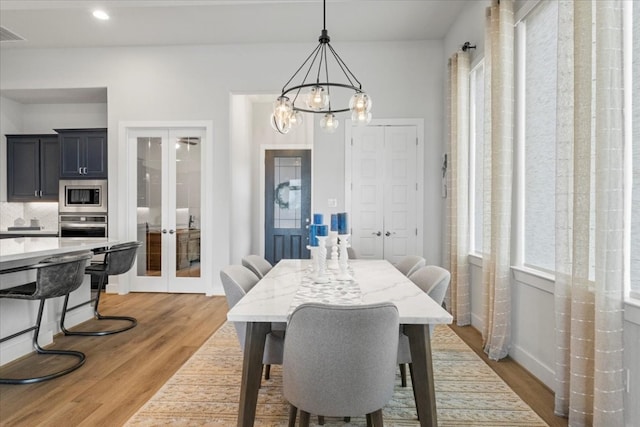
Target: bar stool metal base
[
  {"x": 39, "y": 350},
  {"x": 132, "y": 321}
]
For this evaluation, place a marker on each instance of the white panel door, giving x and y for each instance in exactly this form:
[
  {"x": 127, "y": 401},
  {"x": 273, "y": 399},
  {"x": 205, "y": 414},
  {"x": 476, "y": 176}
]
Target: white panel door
[
  {"x": 384, "y": 191},
  {"x": 367, "y": 213},
  {"x": 400, "y": 188}
]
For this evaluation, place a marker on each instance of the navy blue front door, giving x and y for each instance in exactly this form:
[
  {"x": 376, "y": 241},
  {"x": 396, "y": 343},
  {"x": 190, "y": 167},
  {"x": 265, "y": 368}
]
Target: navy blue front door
[{"x": 287, "y": 204}]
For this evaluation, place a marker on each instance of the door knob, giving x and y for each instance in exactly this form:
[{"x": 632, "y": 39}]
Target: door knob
[
  {"x": 388, "y": 233},
  {"x": 164, "y": 231},
  {"x": 379, "y": 233},
  {"x": 171, "y": 231}
]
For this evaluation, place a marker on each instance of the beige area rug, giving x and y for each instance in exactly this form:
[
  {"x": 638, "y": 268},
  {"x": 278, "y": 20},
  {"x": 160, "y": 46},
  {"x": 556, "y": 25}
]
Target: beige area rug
[{"x": 206, "y": 388}]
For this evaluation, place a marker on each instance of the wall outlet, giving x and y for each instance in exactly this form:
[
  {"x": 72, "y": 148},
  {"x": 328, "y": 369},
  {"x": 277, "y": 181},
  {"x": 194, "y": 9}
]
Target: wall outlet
[{"x": 332, "y": 203}]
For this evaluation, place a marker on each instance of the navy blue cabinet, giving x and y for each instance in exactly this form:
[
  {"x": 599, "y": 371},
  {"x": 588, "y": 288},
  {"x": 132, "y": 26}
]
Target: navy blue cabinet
[
  {"x": 32, "y": 168},
  {"x": 83, "y": 153}
]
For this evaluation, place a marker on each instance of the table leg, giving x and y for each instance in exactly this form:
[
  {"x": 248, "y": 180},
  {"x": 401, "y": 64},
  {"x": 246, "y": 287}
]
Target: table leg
[
  {"x": 424, "y": 389},
  {"x": 252, "y": 371}
]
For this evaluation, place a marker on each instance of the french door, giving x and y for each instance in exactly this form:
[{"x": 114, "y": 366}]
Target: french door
[
  {"x": 384, "y": 196},
  {"x": 168, "y": 208}
]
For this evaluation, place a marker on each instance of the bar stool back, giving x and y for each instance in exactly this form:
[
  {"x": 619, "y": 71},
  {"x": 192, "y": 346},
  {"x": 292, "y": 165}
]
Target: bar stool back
[
  {"x": 55, "y": 277},
  {"x": 118, "y": 260}
]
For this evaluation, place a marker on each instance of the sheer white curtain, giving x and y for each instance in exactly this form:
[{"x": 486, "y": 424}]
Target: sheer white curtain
[
  {"x": 458, "y": 202},
  {"x": 498, "y": 166},
  {"x": 589, "y": 214}
]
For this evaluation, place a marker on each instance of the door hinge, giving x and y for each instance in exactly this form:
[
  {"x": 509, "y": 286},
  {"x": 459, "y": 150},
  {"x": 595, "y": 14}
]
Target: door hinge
[
  {"x": 416, "y": 231},
  {"x": 416, "y": 141},
  {"x": 352, "y": 186},
  {"x": 416, "y": 186},
  {"x": 352, "y": 142}
]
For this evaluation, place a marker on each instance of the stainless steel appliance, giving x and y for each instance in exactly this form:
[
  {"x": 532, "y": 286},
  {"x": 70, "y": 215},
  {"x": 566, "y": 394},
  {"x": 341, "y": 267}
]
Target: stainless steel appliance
[
  {"x": 86, "y": 226},
  {"x": 83, "y": 196}
]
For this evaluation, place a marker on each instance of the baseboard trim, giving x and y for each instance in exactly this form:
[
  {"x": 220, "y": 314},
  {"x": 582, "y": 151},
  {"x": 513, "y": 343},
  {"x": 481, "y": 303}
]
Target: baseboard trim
[{"x": 538, "y": 369}]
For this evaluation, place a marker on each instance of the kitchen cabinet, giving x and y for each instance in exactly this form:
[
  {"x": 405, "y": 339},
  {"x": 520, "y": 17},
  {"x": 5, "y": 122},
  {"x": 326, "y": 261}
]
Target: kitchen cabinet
[
  {"x": 83, "y": 153},
  {"x": 33, "y": 168}
]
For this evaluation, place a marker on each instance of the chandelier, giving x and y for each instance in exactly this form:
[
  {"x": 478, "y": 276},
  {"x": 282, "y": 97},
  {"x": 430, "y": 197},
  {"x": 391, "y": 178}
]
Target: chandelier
[{"x": 288, "y": 108}]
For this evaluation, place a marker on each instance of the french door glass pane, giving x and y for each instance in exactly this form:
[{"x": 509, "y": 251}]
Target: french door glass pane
[
  {"x": 149, "y": 205},
  {"x": 188, "y": 206},
  {"x": 287, "y": 212}
]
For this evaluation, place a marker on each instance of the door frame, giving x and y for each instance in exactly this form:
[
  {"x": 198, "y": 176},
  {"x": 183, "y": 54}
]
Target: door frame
[
  {"x": 128, "y": 174},
  {"x": 419, "y": 124},
  {"x": 263, "y": 149}
]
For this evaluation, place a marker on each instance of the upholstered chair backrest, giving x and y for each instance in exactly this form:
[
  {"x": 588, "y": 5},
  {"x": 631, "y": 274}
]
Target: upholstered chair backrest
[
  {"x": 257, "y": 264},
  {"x": 409, "y": 264},
  {"x": 340, "y": 360}
]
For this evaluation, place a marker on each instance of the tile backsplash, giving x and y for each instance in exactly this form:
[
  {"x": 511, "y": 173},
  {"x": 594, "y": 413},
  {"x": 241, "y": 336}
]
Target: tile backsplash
[{"x": 47, "y": 213}]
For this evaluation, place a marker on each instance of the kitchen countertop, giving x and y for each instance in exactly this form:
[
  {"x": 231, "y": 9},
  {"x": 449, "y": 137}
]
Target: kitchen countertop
[
  {"x": 33, "y": 248},
  {"x": 28, "y": 232}
]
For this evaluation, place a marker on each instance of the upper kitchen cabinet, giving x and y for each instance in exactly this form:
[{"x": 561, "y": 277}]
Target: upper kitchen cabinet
[
  {"x": 32, "y": 168},
  {"x": 83, "y": 153}
]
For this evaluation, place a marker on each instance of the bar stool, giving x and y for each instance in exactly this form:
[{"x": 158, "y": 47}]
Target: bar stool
[
  {"x": 55, "y": 277},
  {"x": 118, "y": 259}
]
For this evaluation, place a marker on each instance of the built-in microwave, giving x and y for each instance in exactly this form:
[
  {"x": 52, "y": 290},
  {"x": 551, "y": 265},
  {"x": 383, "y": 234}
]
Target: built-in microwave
[{"x": 83, "y": 196}]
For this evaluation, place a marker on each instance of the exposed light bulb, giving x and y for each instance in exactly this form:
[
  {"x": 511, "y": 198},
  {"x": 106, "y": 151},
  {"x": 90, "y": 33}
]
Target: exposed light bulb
[
  {"x": 295, "y": 118},
  {"x": 282, "y": 106},
  {"x": 360, "y": 102},
  {"x": 317, "y": 98},
  {"x": 360, "y": 118},
  {"x": 329, "y": 123}
]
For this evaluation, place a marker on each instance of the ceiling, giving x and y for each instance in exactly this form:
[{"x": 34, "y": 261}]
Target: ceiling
[{"x": 70, "y": 24}]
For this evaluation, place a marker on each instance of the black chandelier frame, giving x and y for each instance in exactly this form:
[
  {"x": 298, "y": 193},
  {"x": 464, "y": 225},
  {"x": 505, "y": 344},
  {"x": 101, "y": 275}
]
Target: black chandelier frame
[{"x": 320, "y": 51}]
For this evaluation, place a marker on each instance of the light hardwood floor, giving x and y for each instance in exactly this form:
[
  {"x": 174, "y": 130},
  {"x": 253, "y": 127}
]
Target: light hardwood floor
[{"x": 123, "y": 371}]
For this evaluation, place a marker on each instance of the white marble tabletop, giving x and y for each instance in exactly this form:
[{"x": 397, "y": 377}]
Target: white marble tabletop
[
  {"x": 288, "y": 284},
  {"x": 33, "y": 248}
]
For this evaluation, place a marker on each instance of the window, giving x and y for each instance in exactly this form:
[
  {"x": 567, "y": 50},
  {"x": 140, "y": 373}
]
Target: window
[
  {"x": 476, "y": 153},
  {"x": 538, "y": 75},
  {"x": 635, "y": 203}
]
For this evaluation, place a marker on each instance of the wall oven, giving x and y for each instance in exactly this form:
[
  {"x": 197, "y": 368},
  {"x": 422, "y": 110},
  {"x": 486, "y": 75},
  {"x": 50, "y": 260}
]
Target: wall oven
[
  {"x": 82, "y": 196},
  {"x": 84, "y": 226}
]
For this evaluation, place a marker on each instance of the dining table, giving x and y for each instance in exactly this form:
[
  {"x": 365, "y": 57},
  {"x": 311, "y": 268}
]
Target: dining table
[{"x": 291, "y": 282}]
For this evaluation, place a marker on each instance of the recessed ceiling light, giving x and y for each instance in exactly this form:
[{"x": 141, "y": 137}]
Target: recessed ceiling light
[{"x": 100, "y": 14}]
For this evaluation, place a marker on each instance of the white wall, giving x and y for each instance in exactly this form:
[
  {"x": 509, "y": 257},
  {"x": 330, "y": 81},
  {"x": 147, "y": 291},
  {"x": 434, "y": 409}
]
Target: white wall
[
  {"x": 533, "y": 336},
  {"x": 43, "y": 118},
  {"x": 407, "y": 82},
  {"x": 17, "y": 118},
  {"x": 10, "y": 123},
  {"x": 405, "y": 79}
]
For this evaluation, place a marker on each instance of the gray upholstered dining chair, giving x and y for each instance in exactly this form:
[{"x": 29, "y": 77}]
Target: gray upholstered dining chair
[
  {"x": 55, "y": 277},
  {"x": 118, "y": 259},
  {"x": 434, "y": 281},
  {"x": 257, "y": 264},
  {"x": 340, "y": 361},
  {"x": 409, "y": 264},
  {"x": 237, "y": 281}
]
